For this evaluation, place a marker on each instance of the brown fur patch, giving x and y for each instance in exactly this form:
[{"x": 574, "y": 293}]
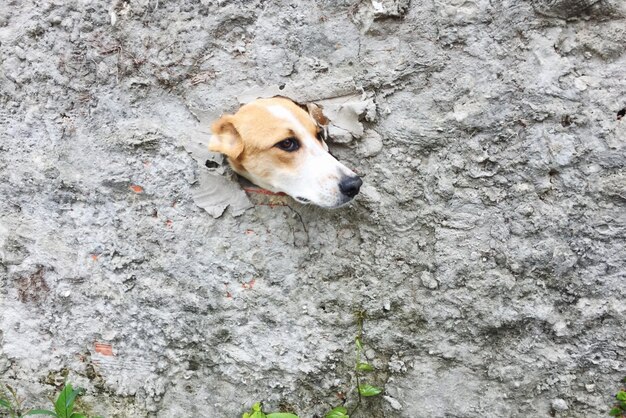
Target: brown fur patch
[
  {"x": 226, "y": 139},
  {"x": 255, "y": 130},
  {"x": 260, "y": 131}
]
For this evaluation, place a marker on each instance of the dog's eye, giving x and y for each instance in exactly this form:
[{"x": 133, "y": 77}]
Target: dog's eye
[{"x": 289, "y": 144}]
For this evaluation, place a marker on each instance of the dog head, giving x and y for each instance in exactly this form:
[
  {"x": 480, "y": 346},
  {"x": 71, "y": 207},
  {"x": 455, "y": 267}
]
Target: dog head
[{"x": 277, "y": 145}]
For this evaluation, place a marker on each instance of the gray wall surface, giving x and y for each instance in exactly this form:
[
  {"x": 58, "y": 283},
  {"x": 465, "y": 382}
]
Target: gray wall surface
[{"x": 487, "y": 246}]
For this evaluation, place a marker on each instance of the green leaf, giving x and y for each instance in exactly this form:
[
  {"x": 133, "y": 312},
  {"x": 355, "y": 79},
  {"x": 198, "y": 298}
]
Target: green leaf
[
  {"x": 338, "y": 412},
  {"x": 40, "y": 412},
  {"x": 615, "y": 412},
  {"x": 369, "y": 390},
  {"x": 358, "y": 343},
  {"x": 281, "y": 415},
  {"x": 77, "y": 415},
  {"x": 364, "y": 367},
  {"x": 4, "y": 403},
  {"x": 65, "y": 402},
  {"x": 255, "y": 412},
  {"x": 621, "y": 395}
]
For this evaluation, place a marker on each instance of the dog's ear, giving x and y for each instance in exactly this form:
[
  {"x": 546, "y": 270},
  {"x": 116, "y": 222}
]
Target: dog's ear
[
  {"x": 225, "y": 138},
  {"x": 316, "y": 113}
]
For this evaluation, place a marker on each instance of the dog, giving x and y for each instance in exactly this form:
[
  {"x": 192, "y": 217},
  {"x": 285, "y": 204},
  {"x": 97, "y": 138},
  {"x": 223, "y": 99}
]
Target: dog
[{"x": 281, "y": 147}]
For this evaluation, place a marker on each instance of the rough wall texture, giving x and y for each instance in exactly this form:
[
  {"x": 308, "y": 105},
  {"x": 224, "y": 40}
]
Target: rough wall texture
[{"x": 488, "y": 246}]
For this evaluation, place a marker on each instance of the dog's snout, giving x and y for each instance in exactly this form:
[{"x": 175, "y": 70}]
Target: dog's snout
[{"x": 350, "y": 185}]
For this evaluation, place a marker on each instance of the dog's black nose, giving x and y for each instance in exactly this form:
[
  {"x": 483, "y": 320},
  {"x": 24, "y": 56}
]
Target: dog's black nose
[{"x": 350, "y": 185}]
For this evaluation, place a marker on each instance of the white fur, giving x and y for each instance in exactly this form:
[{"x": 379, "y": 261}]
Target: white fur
[{"x": 317, "y": 178}]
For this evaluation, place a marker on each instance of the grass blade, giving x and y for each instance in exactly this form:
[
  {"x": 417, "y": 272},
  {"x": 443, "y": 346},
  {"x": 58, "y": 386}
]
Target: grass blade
[
  {"x": 40, "y": 412},
  {"x": 359, "y": 344}
]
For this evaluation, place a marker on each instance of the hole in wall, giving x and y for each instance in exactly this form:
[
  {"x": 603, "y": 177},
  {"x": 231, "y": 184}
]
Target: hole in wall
[
  {"x": 211, "y": 164},
  {"x": 566, "y": 120},
  {"x": 621, "y": 114}
]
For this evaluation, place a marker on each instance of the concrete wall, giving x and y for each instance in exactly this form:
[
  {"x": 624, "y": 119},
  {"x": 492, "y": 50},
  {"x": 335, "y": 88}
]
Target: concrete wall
[{"x": 487, "y": 246}]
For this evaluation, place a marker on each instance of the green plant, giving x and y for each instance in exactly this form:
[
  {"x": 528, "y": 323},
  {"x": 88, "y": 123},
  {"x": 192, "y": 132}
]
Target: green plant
[
  {"x": 361, "y": 366},
  {"x": 338, "y": 412},
  {"x": 619, "y": 407},
  {"x": 11, "y": 402},
  {"x": 63, "y": 406},
  {"x": 257, "y": 412}
]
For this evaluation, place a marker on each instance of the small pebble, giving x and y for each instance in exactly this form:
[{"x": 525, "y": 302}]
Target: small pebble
[
  {"x": 393, "y": 403},
  {"x": 429, "y": 281},
  {"x": 559, "y": 405}
]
